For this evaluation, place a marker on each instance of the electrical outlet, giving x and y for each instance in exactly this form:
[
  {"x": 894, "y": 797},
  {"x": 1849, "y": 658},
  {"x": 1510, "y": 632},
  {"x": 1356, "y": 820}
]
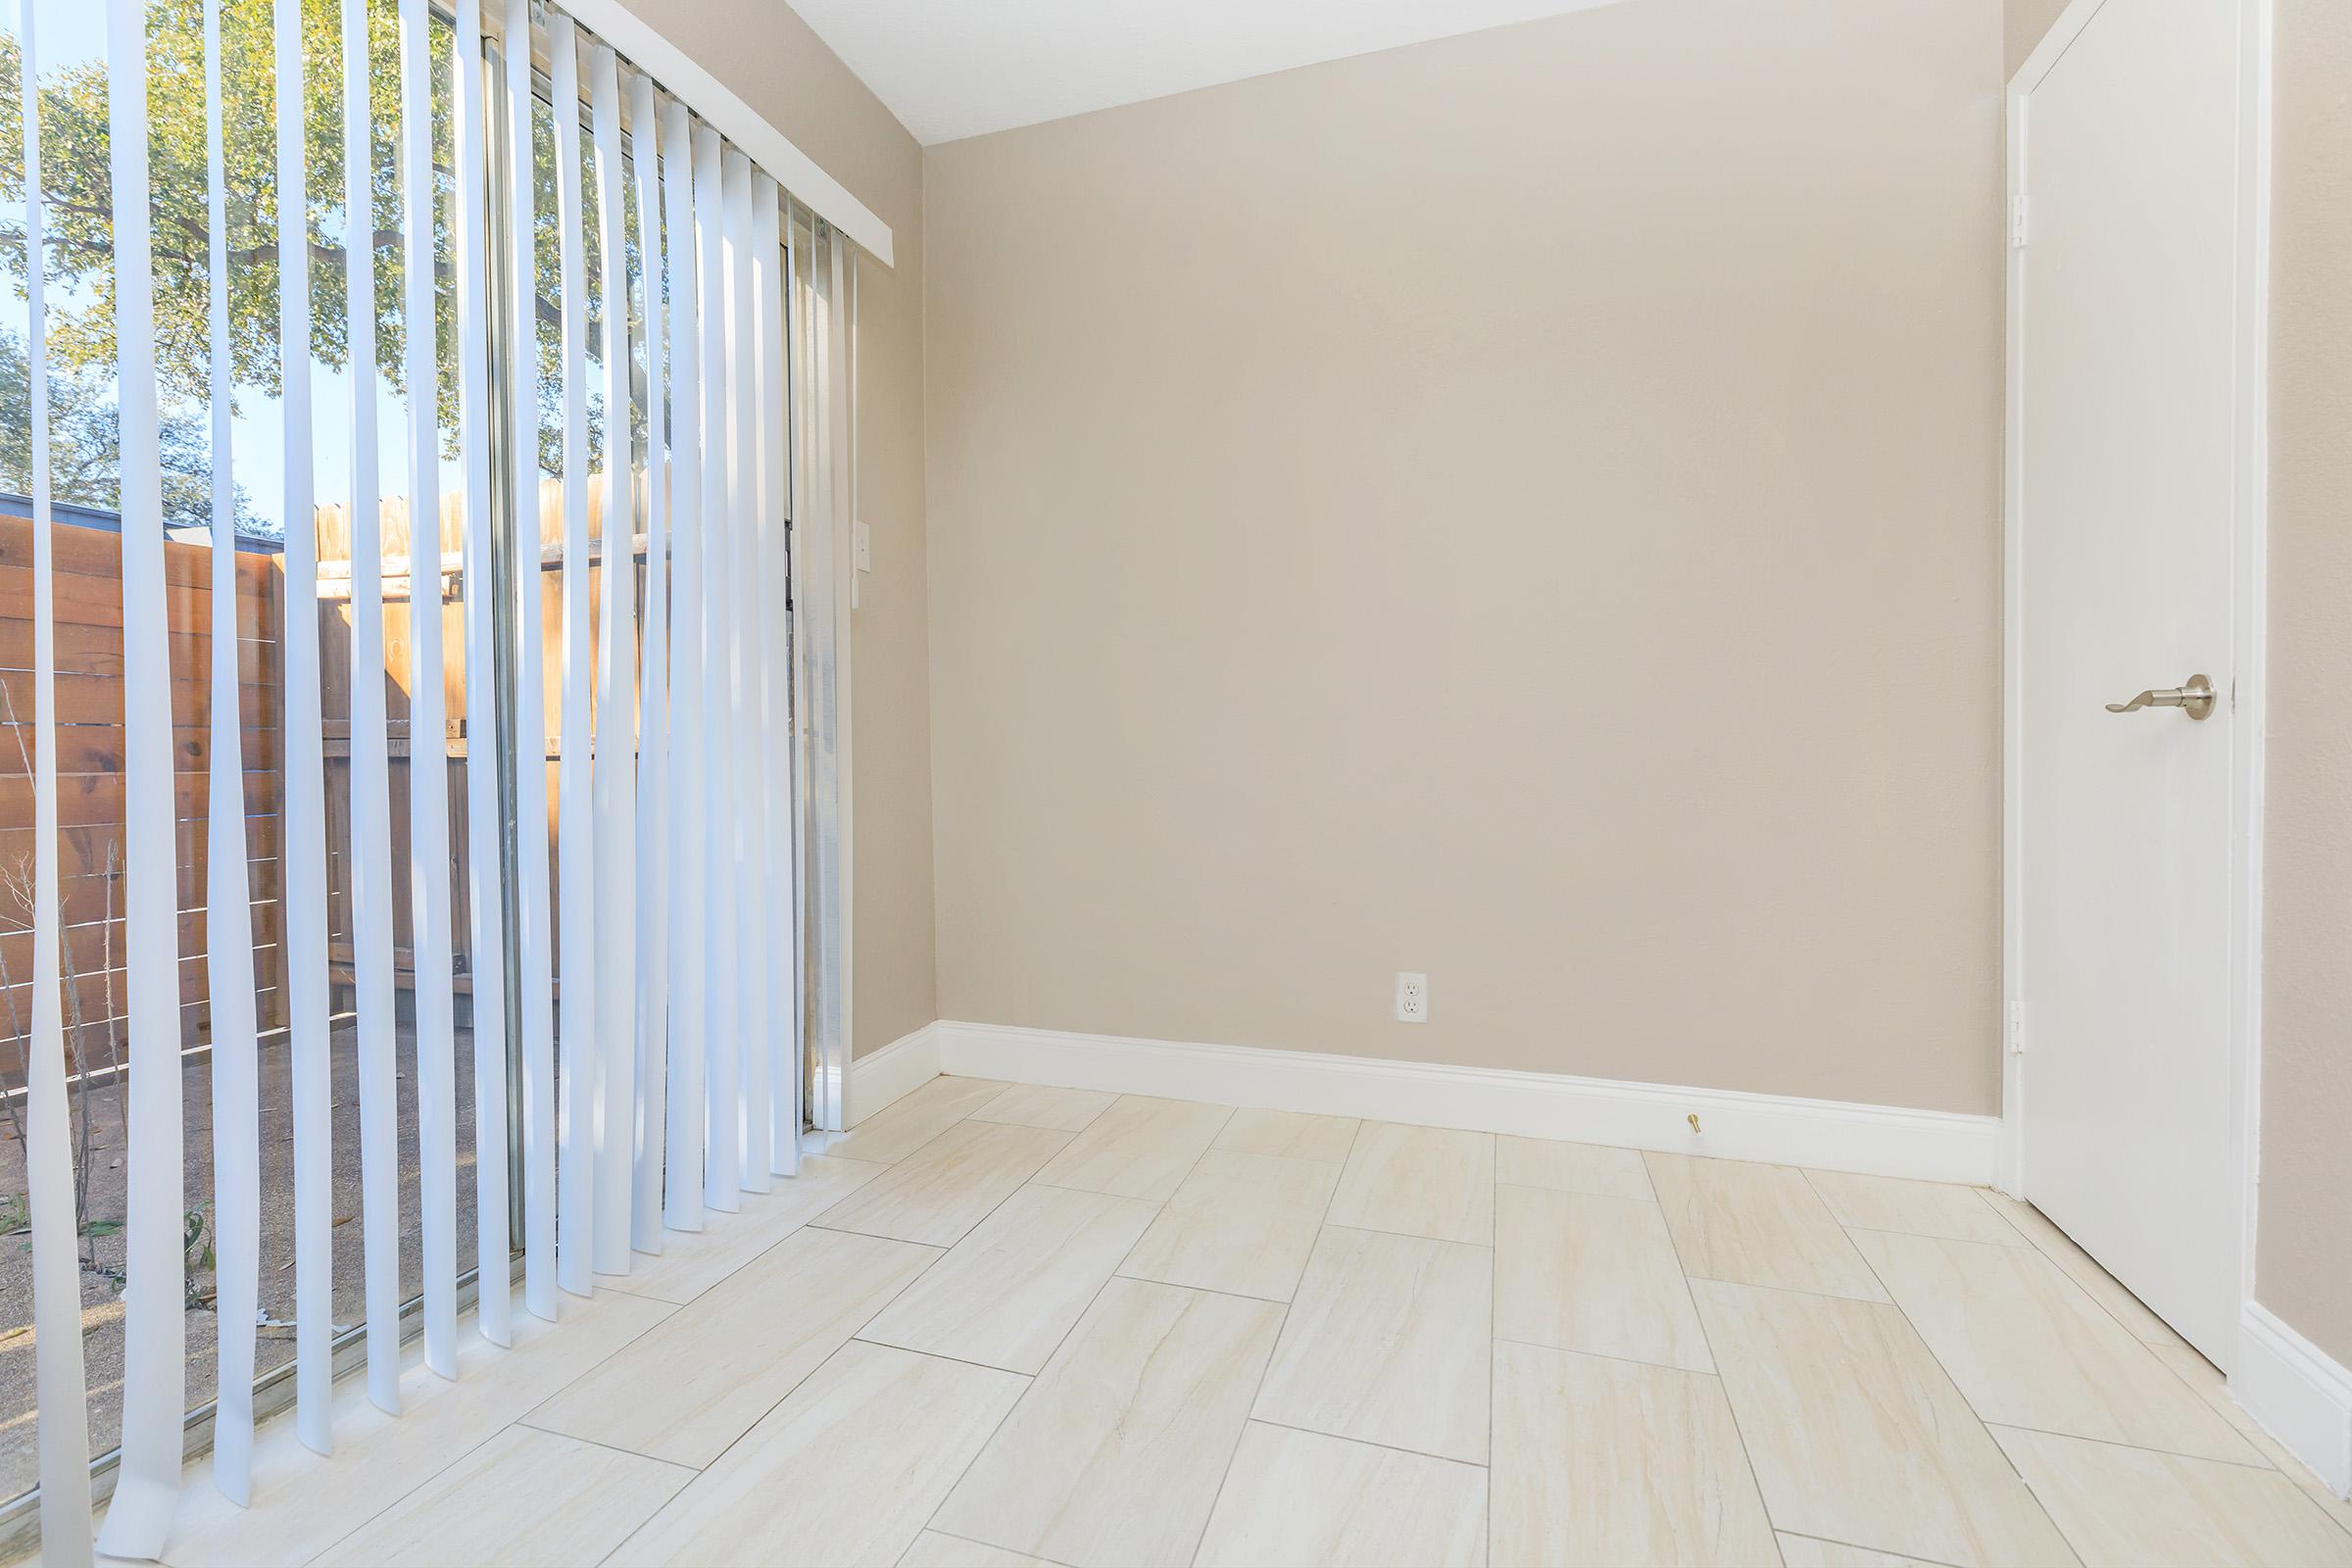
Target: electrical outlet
[{"x": 1412, "y": 998}]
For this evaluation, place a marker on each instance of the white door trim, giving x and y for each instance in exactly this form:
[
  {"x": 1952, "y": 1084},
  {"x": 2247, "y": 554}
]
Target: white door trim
[{"x": 2249, "y": 538}]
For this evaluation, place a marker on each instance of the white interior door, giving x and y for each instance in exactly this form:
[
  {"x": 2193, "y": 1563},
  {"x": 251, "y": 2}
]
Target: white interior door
[{"x": 2128, "y": 495}]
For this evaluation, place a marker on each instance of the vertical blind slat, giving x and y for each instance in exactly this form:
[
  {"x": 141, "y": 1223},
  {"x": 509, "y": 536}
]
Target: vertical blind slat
[
  {"x": 746, "y": 747},
  {"x": 575, "y": 819},
  {"x": 839, "y": 470},
  {"x": 616, "y": 761},
  {"x": 154, "y": 1350},
  {"x": 65, "y": 1425},
  {"x": 371, "y": 814},
  {"x": 682, "y": 1190},
  {"x": 723, "y": 1156},
  {"x": 652, "y": 724},
  {"x": 776, "y": 795},
  {"x": 431, "y": 946},
  {"x": 312, "y": 1070},
  {"x": 486, "y": 893},
  {"x": 228, "y": 907},
  {"x": 534, "y": 904}
]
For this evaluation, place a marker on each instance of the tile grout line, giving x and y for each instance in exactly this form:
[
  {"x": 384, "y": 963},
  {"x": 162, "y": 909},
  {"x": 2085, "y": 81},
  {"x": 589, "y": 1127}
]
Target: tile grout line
[
  {"x": 2256, "y": 1463},
  {"x": 1966, "y": 1402},
  {"x": 2195, "y": 1392},
  {"x": 1367, "y": 1442},
  {"x": 471, "y": 1448},
  {"x": 1013, "y": 1409},
  {"x": 594, "y": 1443},
  {"x": 1495, "y": 1186},
  {"x": 1249, "y": 1410},
  {"x": 1853, "y": 1545},
  {"x": 937, "y": 1253},
  {"x": 2260, "y": 1459},
  {"x": 1723, "y": 1385}
]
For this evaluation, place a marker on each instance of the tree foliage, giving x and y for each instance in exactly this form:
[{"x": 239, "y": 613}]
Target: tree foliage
[
  {"x": 78, "y": 208},
  {"x": 86, "y": 445}
]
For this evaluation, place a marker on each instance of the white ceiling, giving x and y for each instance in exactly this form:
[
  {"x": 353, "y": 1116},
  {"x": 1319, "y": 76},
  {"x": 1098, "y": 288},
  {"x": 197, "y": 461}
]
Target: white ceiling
[{"x": 950, "y": 68}]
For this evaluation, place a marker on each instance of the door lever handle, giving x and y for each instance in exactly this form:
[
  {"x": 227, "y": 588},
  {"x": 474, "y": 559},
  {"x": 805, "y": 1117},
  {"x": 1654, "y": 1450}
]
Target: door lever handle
[{"x": 2195, "y": 699}]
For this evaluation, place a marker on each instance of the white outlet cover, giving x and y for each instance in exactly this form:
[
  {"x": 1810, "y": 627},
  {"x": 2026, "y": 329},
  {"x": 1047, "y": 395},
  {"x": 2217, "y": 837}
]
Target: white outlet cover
[{"x": 1412, "y": 998}]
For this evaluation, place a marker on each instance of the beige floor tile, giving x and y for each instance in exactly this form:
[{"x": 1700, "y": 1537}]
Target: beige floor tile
[
  {"x": 1419, "y": 1181},
  {"x": 1241, "y": 1223},
  {"x": 524, "y": 1499},
  {"x": 1064, "y": 1110},
  {"x": 1007, "y": 1293},
  {"x": 1140, "y": 1147},
  {"x": 1114, "y": 1458},
  {"x": 1605, "y": 1462},
  {"x": 944, "y": 1188},
  {"x": 914, "y": 1119},
  {"x": 1803, "y": 1551},
  {"x": 1570, "y": 1167},
  {"x": 699, "y": 1382},
  {"x": 1916, "y": 1209},
  {"x": 1856, "y": 1434},
  {"x": 2130, "y": 1508},
  {"x": 2030, "y": 1349},
  {"x": 931, "y": 1549},
  {"x": 304, "y": 1503},
  {"x": 1292, "y": 1134},
  {"x": 844, "y": 1472},
  {"x": 1386, "y": 1341},
  {"x": 2205, "y": 1380},
  {"x": 1302, "y": 1497},
  {"x": 1756, "y": 1225},
  {"x": 2080, "y": 1267},
  {"x": 691, "y": 1263},
  {"x": 1580, "y": 1272}
]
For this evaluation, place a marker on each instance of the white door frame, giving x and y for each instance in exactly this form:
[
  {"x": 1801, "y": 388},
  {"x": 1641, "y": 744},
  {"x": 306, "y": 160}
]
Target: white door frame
[{"x": 2249, "y": 554}]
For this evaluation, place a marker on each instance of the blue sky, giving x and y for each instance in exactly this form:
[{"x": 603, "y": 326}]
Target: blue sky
[{"x": 73, "y": 32}]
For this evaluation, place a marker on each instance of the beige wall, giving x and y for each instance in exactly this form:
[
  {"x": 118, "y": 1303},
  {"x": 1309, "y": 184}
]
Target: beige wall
[
  {"x": 769, "y": 58},
  {"x": 1523, "y": 507},
  {"x": 2303, "y": 1264},
  {"x": 2023, "y": 23}
]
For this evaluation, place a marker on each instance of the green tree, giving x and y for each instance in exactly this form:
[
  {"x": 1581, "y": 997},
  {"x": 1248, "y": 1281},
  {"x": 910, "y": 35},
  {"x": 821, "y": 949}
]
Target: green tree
[
  {"x": 86, "y": 445},
  {"x": 78, "y": 204}
]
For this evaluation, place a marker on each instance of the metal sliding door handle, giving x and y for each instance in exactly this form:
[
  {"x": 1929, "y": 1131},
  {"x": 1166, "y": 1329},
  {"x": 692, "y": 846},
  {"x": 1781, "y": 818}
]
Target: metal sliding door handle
[{"x": 2195, "y": 699}]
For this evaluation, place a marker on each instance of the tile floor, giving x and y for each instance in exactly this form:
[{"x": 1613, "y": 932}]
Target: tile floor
[{"x": 1003, "y": 1325}]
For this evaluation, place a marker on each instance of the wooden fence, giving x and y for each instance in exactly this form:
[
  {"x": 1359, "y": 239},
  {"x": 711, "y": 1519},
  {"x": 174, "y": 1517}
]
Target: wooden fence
[{"x": 90, "y": 786}]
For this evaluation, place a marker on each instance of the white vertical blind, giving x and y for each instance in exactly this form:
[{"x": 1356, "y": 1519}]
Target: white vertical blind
[
  {"x": 744, "y": 815},
  {"x": 773, "y": 792},
  {"x": 682, "y": 1190},
  {"x": 154, "y": 1350},
  {"x": 723, "y": 1154},
  {"x": 228, "y": 910},
  {"x": 677, "y": 845},
  {"x": 652, "y": 723},
  {"x": 65, "y": 1427},
  {"x": 575, "y": 828},
  {"x": 433, "y": 967},
  {"x": 534, "y": 910},
  {"x": 615, "y": 769},
  {"x": 371, "y": 814},
  {"x": 305, "y": 860},
  {"x": 486, "y": 892}
]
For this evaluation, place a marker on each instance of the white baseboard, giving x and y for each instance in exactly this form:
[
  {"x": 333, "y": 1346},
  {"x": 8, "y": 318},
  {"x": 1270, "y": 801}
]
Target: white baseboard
[
  {"x": 900, "y": 1067},
  {"x": 2299, "y": 1394},
  {"x": 1879, "y": 1140}
]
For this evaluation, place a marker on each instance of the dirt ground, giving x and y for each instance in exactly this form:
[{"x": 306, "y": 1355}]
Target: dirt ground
[{"x": 102, "y": 1246}]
